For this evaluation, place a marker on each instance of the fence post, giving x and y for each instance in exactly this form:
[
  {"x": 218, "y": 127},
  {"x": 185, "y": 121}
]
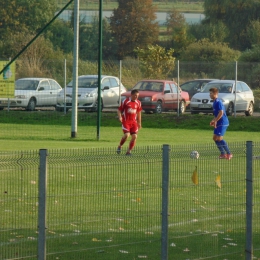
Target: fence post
[
  {"x": 42, "y": 205},
  {"x": 165, "y": 188},
  {"x": 249, "y": 200}
]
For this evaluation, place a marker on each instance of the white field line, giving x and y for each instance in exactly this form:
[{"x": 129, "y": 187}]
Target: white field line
[{"x": 155, "y": 228}]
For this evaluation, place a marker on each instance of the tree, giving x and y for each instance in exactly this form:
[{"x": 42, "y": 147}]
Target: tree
[
  {"x": 61, "y": 36},
  {"x": 254, "y": 33},
  {"x": 133, "y": 25},
  {"x": 34, "y": 60},
  {"x": 252, "y": 55},
  {"x": 215, "y": 32},
  {"x": 18, "y": 15},
  {"x": 209, "y": 59},
  {"x": 89, "y": 41},
  {"x": 174, "y": 19},
  {"x": 236, "y": 15},
  {"x": 177, "y": 37},
  {"x": 156, "y": 62},
  {"x": 205, "y": 50}
]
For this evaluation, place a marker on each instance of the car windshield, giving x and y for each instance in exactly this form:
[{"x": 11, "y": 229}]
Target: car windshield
[
  {"x": 85, "y": 83},
  {"x": 149, "y": 86},
  {"x": 29, "y": 84},
  {"x": 222, "y": 87}
]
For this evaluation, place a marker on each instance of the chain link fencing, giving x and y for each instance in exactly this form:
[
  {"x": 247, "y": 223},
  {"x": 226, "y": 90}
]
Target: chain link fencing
[
  {"x": 96, "y": 204},
  {"x": 17, "y": 121}
]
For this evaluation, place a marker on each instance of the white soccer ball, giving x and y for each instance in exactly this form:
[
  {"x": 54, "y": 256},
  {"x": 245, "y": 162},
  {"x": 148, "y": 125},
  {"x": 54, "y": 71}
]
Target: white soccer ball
[{"x": 194, "y": 155}]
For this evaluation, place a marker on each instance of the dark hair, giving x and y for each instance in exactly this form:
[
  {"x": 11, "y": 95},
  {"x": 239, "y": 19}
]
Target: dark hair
[
  {"x": 214, "y": 90},
  {"x": 134, "y": 91}
]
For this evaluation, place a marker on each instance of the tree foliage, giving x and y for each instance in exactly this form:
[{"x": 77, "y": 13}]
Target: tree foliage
[
  {"x": 174, "y": 19},
  {"x": 215, "y": 32},
  {"x": 251, "y": 55},
  {"x": 205, "y": 50},
  {"x": 32, "y": 61},
  {"x": 61, "y": 36},
  {"x": 18, "y": 15},
  {"x": 236, "y": 15},
  {"x": 177, "y": 35},
  {"x": 133, "y": 25},
  {"x": 254, "y": 32},
  {"x": 89, "y": 41},
  {"x": 155, "y": 61}
]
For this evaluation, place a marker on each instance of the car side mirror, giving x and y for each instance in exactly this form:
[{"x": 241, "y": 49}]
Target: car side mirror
[
  {"x": 167, "y": 91},
  {"x": 41, "y": 88}
]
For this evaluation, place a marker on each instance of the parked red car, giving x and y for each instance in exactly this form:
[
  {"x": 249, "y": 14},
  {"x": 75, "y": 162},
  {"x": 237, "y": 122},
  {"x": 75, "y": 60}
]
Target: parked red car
[{"x": 160, "y": 95}]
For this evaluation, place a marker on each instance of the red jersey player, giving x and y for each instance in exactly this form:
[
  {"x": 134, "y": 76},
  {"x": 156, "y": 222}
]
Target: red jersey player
[{"x": 129, "y": 114}]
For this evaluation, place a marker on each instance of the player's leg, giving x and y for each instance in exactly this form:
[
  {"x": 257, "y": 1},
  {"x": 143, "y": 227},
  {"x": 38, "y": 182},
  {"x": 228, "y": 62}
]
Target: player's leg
[
  {"x": 132, "y": 143},
  {"x": 126, "y": 131},
  {"x": 217, "y": 137},
  {"x": 221, "y": 143},
  {"x": 133, "y": 131},
  {"x": 122, "y": 141},
  {"x": 224, "y": 144}
]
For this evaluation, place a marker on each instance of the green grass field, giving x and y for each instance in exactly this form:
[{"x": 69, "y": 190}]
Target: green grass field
[
  {"x": 21, "y": 130},
  {"x": 105, "y": 206}
]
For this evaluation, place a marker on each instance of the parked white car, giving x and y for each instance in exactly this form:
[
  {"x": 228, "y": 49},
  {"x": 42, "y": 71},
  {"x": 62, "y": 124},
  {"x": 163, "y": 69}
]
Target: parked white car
[
  {"x": 234, "y": 96},
  {"x": 33, "y": 92},
  {"x": 88, "y": 93}
]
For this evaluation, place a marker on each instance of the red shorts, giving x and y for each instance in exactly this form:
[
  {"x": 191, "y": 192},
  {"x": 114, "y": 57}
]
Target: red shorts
[{"x": 130, "y": 127}]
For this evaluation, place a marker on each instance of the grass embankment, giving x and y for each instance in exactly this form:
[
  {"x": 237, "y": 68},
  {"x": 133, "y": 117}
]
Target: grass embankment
[{"x": 22, "y": 130}]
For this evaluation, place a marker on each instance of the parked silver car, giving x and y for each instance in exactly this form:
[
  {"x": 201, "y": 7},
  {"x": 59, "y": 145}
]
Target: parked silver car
[
  {"x": 88, "y": 93},
  {"x": 234, "y": 96},
  {"x": 33, "y": 92}
]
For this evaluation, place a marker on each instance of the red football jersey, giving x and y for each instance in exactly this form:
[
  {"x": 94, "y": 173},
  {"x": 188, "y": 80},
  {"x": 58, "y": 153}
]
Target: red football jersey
[{"x": 130, "y": 109}]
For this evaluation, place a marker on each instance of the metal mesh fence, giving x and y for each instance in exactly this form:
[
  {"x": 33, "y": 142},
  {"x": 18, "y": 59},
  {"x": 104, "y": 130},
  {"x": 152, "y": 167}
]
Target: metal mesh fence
[
  {"x": 101, "y": 205},
  {"x": 131, "y": 70},
  {"x": 19, "y": 122}
]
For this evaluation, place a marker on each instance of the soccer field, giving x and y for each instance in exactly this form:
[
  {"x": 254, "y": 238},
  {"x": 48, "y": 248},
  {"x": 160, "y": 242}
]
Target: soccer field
[{"x": 101, "y": 205}]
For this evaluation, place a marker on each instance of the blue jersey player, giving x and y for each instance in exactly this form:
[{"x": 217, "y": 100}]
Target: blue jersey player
[{"x": 220, "y": 124}]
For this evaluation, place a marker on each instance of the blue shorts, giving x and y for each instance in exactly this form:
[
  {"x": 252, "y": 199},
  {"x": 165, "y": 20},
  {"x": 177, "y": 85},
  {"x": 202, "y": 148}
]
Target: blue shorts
[{"x": 220, "y": 130}]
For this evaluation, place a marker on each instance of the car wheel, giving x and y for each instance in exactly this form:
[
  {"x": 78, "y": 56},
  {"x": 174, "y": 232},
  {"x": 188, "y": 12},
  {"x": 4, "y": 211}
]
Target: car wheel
[
  {"x": 158, "y": 108},
  {"x": 182, "y": 107},
  {"x": 230, "y": 109},
  {"x": 31, "y": 105},
  {"x": 250, "y": 110}
]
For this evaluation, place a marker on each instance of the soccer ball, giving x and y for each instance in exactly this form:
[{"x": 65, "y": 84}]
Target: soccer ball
[{"x": 194, "y": 155}]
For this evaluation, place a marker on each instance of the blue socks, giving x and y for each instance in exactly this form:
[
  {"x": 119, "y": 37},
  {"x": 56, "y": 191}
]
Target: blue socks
[{"x": 222, "y": 146}]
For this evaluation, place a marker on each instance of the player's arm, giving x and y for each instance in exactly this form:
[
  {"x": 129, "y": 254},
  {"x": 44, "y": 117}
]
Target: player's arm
[
  {"x": 119, "y": 113},
  {"x": 139, "y": 119},
  {"x": 215, "y": 120}
]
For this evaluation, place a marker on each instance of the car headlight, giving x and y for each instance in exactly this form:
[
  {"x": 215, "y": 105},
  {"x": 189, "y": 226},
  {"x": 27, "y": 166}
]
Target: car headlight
[
  {"x": 147, "y": 99},
  {"x": 195, "y": 100},
  {"x": 21, "y": 96}
]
